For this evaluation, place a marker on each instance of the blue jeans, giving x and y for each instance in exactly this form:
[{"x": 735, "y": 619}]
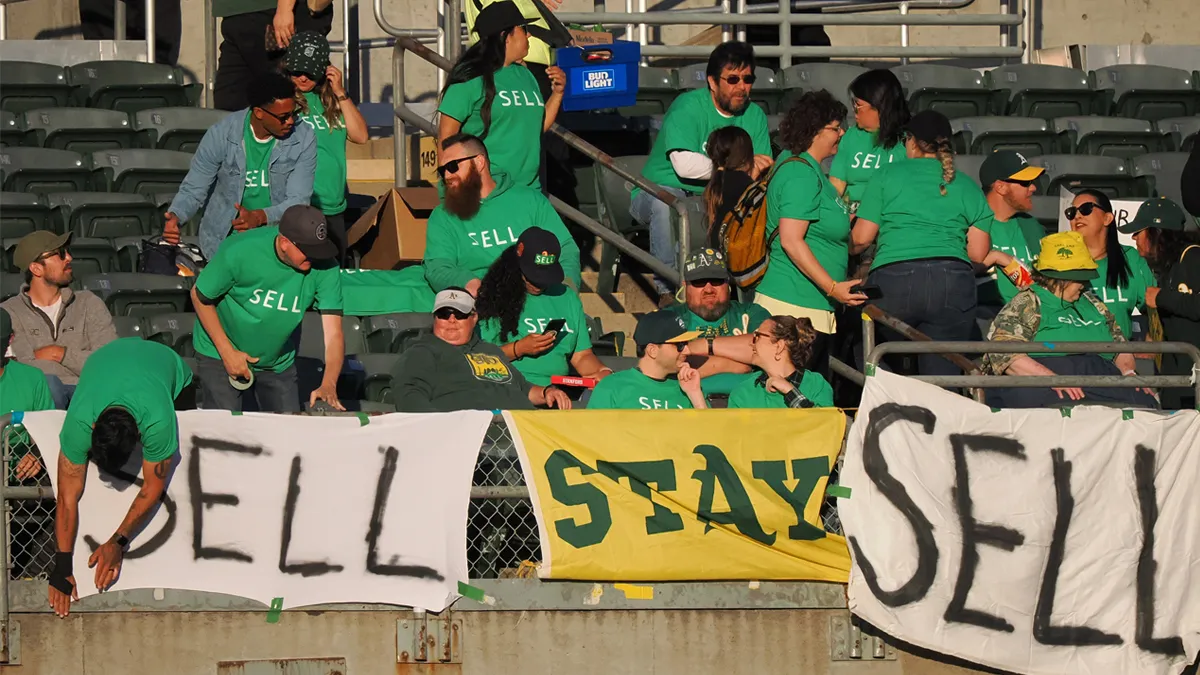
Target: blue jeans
[
  {"x": 1073, "y": 364},
  {"x": 648, "y": 210},
  {"x": 60, "y": 393},
  {"x": 273, "y": 392},
  {"x": 935, "y": 296}
]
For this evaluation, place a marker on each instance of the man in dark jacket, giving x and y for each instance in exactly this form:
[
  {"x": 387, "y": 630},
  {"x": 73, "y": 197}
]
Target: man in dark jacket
[{"x": 452, "y": 369}]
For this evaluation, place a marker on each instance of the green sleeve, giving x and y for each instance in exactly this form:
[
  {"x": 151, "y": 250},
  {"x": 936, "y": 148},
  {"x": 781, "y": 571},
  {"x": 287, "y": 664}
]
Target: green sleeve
[
  {"x": 986, "y": 226},
  {"x": 489, "y": 330},
  {"x": 583, "y": 339},
  {"x": 760, "y": 135},
  {"x": 548, "y": 220},
  {"x": 603, "y": 397},
  {"x": 797, "y": 190},
  {"x": 978, "y": 212},
  {"x": 329, "y": 290},
  {"x": 841, "y": 162},
  {"x": 216, "y": 278},
  {"x": 74, "y": 439},
  {"x": 411, "y": 380},
  {"x": 441, "y": 254},
  {"x": 756, "y": 314},
  {"x": 871, "y": 206},
  {"x": 460, "y": 99},
  {"x": 160, "y": 437}
]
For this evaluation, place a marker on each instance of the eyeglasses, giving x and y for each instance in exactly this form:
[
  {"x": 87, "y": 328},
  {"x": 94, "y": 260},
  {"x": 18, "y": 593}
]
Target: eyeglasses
[
  {"x": 445, "y": 313},
  {"x": 701, "y": 283},
  {"x": 756, "y": 334},
  {"x": 1084, "y": 209},
  {"x": 837, "y": 129},
  {"x": 452, "y": 166},
  {"x": 284, "y": 118},
  {"x": 734, "y": 80},
  {"x": 860, "y": 104}
]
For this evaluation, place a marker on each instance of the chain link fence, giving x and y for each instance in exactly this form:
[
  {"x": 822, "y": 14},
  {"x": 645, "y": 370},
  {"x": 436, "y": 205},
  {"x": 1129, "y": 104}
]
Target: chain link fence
[{"x": 30, "y": 521}]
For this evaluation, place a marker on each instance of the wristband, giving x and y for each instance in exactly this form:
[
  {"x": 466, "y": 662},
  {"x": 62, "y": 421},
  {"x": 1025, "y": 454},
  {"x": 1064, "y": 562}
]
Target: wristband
[
  {"x": 831, "y": 287},
  {"x": 62, "y": 570},
  {"x": 343, "y": 97},
  {"x": 710, "y": 346}
]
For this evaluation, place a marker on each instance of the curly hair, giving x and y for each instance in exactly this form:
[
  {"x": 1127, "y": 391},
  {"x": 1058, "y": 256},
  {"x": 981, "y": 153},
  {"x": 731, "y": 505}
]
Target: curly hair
[
  {"x": 502, "y": 293},
  {"x": 807, "y": 117},
  {"x": 798, "y": 334},
  {"x": 882, "y": 89},
  {"x": 1167, "y": 247}
]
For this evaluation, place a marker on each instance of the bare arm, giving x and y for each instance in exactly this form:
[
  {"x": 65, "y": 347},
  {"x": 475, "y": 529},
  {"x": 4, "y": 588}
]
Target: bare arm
[
  {"x": 335, "y": 349},
  {"x": 154, "y": 483},
  {"x": 979, "y": 245},
  {"x": 447, "y": 127},
  {"x": 862, "y": 236},
  {"x": 587, "y": 364},
  {"x": 839, "y": 185},
  {"x": 71, "y": 480},
  {"x": 791, "y": 237},
  {"x": 212, "y": 324},
  {"x": 714, "y": 365},
  {"x": 733, "y": 348}
]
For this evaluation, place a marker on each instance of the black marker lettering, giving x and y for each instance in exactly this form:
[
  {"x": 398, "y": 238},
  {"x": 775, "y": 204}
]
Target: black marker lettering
[
  {"x": 153, "y": 543},
  {"x": 304, "y": 569},
  {"x": 206, "y": 500},
  {"x": 391, "y": 457},
  {"x": 1143, "y": 470}
]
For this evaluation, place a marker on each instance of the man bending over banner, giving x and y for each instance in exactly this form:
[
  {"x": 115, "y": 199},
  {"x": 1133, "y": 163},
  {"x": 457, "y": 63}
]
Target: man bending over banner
[{"x": 125, "y": 400}]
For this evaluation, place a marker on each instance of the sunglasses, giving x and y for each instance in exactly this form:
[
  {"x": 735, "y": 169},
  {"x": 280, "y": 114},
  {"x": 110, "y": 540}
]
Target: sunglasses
[
  {"x": 56, "y": 253},
  {"x": 1084, "y": 209},
  {"x": 446, "y": 312},
  {"x": 452, "y": 166},
  {"x": 1022, "y": 183},
  {"x": 314, "y": 78},
  {"x": 756, "y": 334},
  {"x": 737, "y": 79},
  {"x": 284, "y": 118},
  {"x": 701, "y": 283}
]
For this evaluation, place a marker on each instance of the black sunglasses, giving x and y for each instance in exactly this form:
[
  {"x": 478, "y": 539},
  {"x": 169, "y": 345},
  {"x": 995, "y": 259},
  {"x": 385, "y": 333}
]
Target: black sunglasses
[
  {"x": 284, "y": 118},
  {"x": 1084, "y": 209},
  {"x": 701, "y": 283},
  {"x": 56, "y": 253},
  {"x": 446, "y": 312},
  {"x": 736, "y": 79},
  {"x": 452, "y": 166},
  {"x": 1022, "y": 183}
]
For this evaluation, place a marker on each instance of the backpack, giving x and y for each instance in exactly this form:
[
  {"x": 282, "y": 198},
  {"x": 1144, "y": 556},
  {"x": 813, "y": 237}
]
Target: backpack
[{"x": 743, "y": 232}]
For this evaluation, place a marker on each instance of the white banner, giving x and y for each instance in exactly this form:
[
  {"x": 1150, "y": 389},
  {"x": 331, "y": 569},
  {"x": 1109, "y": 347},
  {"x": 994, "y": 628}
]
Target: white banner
[
  {"x": 1025, "y": 540},
  {"x": 308, "y": 509}
]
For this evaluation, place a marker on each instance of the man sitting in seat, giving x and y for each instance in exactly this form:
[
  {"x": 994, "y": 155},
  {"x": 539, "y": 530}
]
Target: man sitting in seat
[
  {"x": 452, "y": 369},
  {"x": 663, "y": 339},
  {"x": 55, "y": 328}
]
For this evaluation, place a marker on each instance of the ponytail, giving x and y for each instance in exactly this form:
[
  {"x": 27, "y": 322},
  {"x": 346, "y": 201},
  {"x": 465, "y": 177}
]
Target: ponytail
[
  {"x": 945, "y": 155},
  {"x": 712, "y": 197}
]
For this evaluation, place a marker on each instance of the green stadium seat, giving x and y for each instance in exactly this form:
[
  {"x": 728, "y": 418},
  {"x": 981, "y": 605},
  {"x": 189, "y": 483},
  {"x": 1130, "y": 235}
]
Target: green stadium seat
[
  {"x": 1110, "y": 175},
  {"x": 126, "y": 86},
  {"x": 175, "y": 128},
  {"x": 985, "y": 135},
  {"x": 1147, "y": 92},
  {"x": 22, "y": 213},
  {"x": 10, "y": 284},
  {"x": 82, "y": 130},
  {"x": 1111, "y": 136},
  {"x": 140, "y": 171},
  {"x": 657, "y": 87},
  {"x": 133, "y": 294},
  {"x": 10, "y": 131},
  {"x": 29, "y": 85},
  {"x": 104, "y": 214},
  {"x": 950, "y": 90},
  {"x": 391, "y": 333},
  {"x": 173, "y": 330},
  {"x": 1183, "y": 131},
  {"x": 44, "y": 170},
  {"x": 1166, "y": 169},
  {"x": 128, "y": 326},
  {"x": 968, "y": 165},
  {"x": 90, "y": 255},
  {"x": 615, "y": 195},
  {"x": 1039, "y": 90},
  {"x": 834, "y": 77}
]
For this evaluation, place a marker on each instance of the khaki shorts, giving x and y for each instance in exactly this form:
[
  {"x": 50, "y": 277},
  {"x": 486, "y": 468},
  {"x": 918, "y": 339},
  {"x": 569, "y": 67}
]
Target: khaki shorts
[{"x": 823, "y": 321}]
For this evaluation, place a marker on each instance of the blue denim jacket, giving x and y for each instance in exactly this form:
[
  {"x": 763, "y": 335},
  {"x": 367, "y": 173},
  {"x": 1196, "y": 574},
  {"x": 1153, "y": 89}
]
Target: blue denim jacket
[{"x": 217, "y": 177}]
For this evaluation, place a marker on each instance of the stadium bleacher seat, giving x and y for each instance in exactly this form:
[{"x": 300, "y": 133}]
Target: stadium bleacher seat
[
  {"x": 141, "y": 171},
  {"x": 612, "y": 344},
  {"x": 1146, "y": 91},
  {"x": 377, "y": 376},
  {"x": 29, "y": 85},
  {"x": 128, "y": 326},
  {"x": 133, "y": 294},
  {"x": 92, "y": 256},
  {"x": 1111, "y": 136},
  {"x": 82, "y": 130},
  {"x": 126, "y": 86},
  {"x": 1040, "y": 90},
  {"x": 173, "y": 330},
  {"x": 1110, "y": 175},
  {"x": 1183, "y": 131},
  {"x": 615, "y": 195},
  {"x": 104, "y": 214},
  {"x": 1166, "y": 168},
  {"x": 312, "y": 337},
  {"x": 985, "y": 135},
  {"x": 950, "y": 90},
  {"x": 1045, "y": 209},
  {"x": 693, "y": 76},
  {"x": 968, "y": 165},
  {"x": 10, "y": 131},
  {"x": 7, "y": 245},
  {"x": 619, "y": 363},
  {"x": 657, "y": 87},
  {"x": 44, "y": 170},
  {"x": 10, "y": 284},
  {"x": 768, "y": 90},
  {"x": 391, "y": 333},
  {"x": 22, "y": 213},
  {"x": 175, "y": 128},
  {"x": 835, "y": 77}
]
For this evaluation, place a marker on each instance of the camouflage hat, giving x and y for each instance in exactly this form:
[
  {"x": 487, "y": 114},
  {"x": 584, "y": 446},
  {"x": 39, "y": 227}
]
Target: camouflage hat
[
  {"x": 705, "y": 264},
  {"x": 1065, "y": 256},
  {"x": 308, "y": 54},
  {"x": 1161, "y": 213}
]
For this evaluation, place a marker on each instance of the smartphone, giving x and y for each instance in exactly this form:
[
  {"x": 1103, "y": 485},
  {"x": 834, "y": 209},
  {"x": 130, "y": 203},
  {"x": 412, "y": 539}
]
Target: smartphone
[
  {"x": 554, "y": 326},
  {"x": 872, "y": 291}
]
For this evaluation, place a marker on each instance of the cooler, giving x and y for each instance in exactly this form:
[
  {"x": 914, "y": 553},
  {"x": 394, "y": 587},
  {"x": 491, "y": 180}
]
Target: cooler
[{"x": 600, "y": 76}]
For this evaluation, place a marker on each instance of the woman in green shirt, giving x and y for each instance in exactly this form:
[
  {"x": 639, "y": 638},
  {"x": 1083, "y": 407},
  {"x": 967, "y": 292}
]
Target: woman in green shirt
[
  {"x": 323, "y": 105},
  {"x": 783, "y": 348},
  {"x": 877, "y": 138},
  {"x": 491, "y": 94}
]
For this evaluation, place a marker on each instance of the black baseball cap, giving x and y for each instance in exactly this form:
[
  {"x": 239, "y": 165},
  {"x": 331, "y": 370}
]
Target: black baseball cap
[
  {"x": 498, "y": 17},
  {"x": 705, "y": 264},
  {"x": 1007, "y": 165},
  {"x": 538, "y": 252},
  {"x": 662, "y": 327},
  {"x": 1161, "y": 213},
  {"x": 305, "y": 226},
  {"x": 308, "y": 54},
  {"x": 929, "y": 125}
]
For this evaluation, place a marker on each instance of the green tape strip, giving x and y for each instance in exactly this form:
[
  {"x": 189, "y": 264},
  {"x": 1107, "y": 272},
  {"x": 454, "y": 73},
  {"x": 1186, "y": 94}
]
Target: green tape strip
[
  {"x": 1126, "y": 414},
  {"x": 235, "y": 412},
  {"x": 472, "y": 592},
  {"x": 839, "y": 491},
  {"x": 995, "y": 410},
  {"x": 870, "y": 369},
  {"x": 273, "y": 612},
  {"x": 1066, "y": 412},
  {"x": 363, "y": 419}
]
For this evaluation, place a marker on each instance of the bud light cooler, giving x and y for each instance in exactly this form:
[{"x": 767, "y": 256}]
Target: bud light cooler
[{"x": 600, "y": 76}]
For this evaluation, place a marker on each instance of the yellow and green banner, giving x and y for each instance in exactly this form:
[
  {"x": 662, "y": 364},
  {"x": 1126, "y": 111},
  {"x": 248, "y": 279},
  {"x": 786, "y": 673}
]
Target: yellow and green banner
[{"x": 675, "y": 495}]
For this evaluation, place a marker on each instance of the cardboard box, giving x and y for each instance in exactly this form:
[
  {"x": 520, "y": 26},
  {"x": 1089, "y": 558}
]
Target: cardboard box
[
  {"x": 587, "y": 37},
  {"x": 395, "y": 227}
]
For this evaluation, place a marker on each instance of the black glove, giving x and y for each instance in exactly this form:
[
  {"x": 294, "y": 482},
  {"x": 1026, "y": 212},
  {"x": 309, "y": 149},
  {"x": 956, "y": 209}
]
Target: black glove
[{"x": 63, "y": 570}]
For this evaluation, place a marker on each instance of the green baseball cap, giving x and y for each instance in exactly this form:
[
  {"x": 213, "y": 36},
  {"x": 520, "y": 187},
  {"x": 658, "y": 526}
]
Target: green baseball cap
[
  {"x": 1007, "y": 165},
  {"x": 1161, "y": 213},
  {"x": 308, "y": 54},
  {"x": 662, "y": 327},
  {"x": 36, "y": 244},
  {"x": 705, "y": 264}
]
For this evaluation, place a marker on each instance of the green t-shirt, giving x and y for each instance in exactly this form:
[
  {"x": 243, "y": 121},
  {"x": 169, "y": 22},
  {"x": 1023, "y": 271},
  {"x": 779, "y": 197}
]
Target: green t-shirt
[
  {"x": 1062, "y": 321},
  {"x": 802, "y": 192},
  {"x": 916, "y": 221},
  {"x": 1122, "y": 301},
  {"x": 141, "y": 376},
  {"x": 859, "y": 157},
  {"x": 559, "y": 302},
  {"x": 632, "y": 390},
  {"x": 514, "y": 139},
  {"x": 260, "y": 300},
  {"x": 23, "y": 388},
  {"x": 739, "y": 319},
  {"x": 329, "y": 181},
  {"x": 689, "y": 121},
  {"x": 750, "y": 393},
  {"x": 372, "y": 292},
  {"x": 1020, "y": 237},
  {"x": 256, "y": 193}
]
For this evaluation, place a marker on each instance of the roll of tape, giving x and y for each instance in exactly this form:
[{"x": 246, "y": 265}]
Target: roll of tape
[{"x": 242, "y": 385}]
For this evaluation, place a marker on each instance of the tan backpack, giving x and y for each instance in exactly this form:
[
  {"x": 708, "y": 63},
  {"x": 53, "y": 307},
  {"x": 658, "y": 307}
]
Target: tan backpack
[{"x": 743, "y": 232}]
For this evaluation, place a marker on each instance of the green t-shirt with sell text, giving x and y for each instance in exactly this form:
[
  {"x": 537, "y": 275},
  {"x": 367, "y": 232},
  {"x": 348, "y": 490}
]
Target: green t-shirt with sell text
[
  {"x": 559, "y": 302},
  {"x": 802, "y": 192},
  {"x": 141, "y": 376},
  {"x": 689, "y": 121},
  {"x": 859, "y": 158},
  {"x": 514, "y": 139},
  {"x": 256, "y": 193},
  {"x": 1122, "y": 301},
  {"x": 329, "y": 181},
  {"x": 751, "y": 393},
  {"x": 1020, "y": 237},
  {"x": 23, "y": 388},
  {"x": 261, "y": 300},
  {"x": 633, "y": 390},
  {"x": 916, "y": 221}
]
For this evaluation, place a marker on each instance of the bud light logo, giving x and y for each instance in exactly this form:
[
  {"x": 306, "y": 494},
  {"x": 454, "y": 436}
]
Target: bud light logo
[{"x": 599, "y": 80}]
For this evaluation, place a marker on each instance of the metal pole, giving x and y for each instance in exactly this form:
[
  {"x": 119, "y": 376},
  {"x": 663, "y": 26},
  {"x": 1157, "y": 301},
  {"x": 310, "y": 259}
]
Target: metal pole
[
  {"x": 868, "y": 326},
  {"x": 773, "y": 18},
  {"x": 904, "y": 31},
  {"x": 3, "y": 22},
  {"x": 846, "y": 52},
  {"x": 395, "y": 31},
  {"x": 210, "y": 54},
  {"x": 119, "y": 20},
  {"x": 5, "y": 422},
  {"x": 150, "y": 28},
  {"x": 1027, "y": 22},
  {"x": 400, "y": 139},
  {"x": 741, "y": 28},
  {"x": 346, "y": 45},
  {"x": 785, "y": 35},
  {"x": 629, "y": 26},
  {"x": 643, "y": 31},
  {"x": 726, "y": 29},
  {"x": 453, "y": 30}
]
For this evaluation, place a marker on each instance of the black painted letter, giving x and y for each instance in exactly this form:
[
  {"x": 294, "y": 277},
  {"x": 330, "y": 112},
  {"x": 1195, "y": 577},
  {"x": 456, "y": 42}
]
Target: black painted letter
[
  {"x": 1143, "y": 470},
  {"x": 391, "y": 457},
  {"x": 153, "y": 543},
  {"x": 206, "y": 500},
  {"x": 304, "y": 569}
]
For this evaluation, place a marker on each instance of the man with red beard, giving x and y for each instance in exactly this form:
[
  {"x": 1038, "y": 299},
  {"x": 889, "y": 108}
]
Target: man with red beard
[{"x": 481, "y": 215}]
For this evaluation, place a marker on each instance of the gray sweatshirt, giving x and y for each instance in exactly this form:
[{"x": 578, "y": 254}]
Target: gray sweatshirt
[{"x": 84, "y": 325}]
